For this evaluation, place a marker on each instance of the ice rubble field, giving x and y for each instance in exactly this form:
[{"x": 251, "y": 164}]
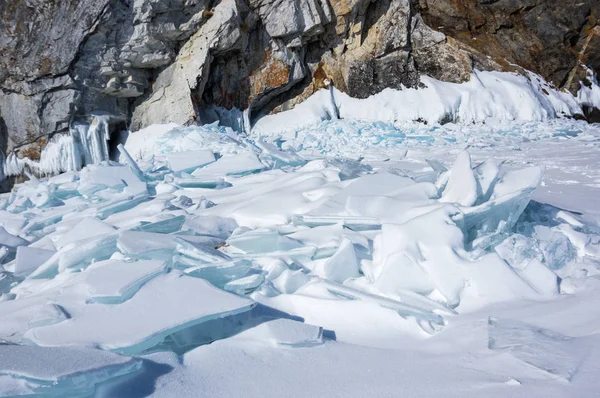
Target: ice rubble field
[
  {"x": 316, "y": 256},
  {"x": 344, "y": 258}
]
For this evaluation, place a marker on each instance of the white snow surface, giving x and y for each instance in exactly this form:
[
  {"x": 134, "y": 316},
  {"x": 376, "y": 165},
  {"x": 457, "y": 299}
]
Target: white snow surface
[
  {"x": 316, "y": 256},
  {"x": 487, "y": 97}
]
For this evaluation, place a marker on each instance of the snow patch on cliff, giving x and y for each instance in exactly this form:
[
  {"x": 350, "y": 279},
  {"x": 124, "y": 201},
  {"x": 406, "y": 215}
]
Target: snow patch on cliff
[{"x": 489, "y": 97}]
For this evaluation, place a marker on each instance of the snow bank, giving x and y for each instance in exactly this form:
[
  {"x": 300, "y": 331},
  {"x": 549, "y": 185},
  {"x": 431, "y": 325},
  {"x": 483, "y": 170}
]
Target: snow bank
[{"x": 487, "y": 97}]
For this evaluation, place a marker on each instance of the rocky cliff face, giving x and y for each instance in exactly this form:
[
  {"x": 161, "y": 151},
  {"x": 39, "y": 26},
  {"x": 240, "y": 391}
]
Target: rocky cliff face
[{"x": 184, "y": 61}]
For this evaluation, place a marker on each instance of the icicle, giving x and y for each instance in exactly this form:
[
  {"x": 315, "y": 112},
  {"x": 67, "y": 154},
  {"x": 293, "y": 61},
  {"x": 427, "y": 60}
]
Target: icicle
[{"x": 86, "y": 144}]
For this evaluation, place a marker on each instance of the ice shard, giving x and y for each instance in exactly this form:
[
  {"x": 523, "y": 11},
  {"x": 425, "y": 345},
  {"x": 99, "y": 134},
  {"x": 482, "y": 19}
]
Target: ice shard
[
  {"x": 461, "y": 187},
  {"x": 30, "y": 258},
  {"x": 189, "y": 160},
  {"x": 61, "y": 371},
  {"x": 143, "y": 321}
]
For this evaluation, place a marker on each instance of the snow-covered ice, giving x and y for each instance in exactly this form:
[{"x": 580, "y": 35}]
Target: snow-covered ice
[
  {"x": 60, "y": 371},
  {"x": 315, "y": 255}
]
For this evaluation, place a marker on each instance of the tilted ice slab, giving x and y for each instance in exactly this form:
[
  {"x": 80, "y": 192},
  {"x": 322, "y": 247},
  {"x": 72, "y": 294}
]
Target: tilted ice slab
[
  {"x": 95, "y": 178},
  {"x": 113, "y": 282},
  {"x": 145, "y": 244},
  {"x": 42, "y": 302},
  {"x": 164, "y": 305},
  {"x": 59, "y": 371},
  {"x": 231, "y": 165},
  {"x": 189, "y": 160},
  {"x": 30, "y": 258},
  {"x": 22, "y": 314},
  {"x": 86, "y": 228},
  {"x": 78, "y": 255}
]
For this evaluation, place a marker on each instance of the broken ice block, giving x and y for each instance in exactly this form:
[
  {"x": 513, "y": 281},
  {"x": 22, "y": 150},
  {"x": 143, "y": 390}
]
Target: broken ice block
[
  {"x": 146, "y": 245},
  {"x": 62, "y": 371},
  {"x": 80, "y": 254},
  {"x": 202, "y": 182},
  {"x": 285, "y": 332},
  {"x": 183, "y": 202},
  {"x": 113, "y": 282},
  {"x": 132, "y": 164},
  {"x": 231, "y": 165},
  {"x": 6, "y": 281},
  {"x": 262, "y": 241},
  {"x": 12, "y": 223},
  {"x": 342, "y": 265},
  {"x": 97, "y": 177},
  {"x": 120, "y": 205},
  {"x": 86, "y": 228},
  {"x": 189, "y": 160},
  {"x": 11, "y": 241},
  {"x": 157, "y": 310},
  {"x": 211, "y": 225},
  {"x": 202, "y": 240},
  {"x": 246, "y": 285},
  {"x": 22, "y": 314},
  {"x": 277, "y": 158},
  {"x": 539, "y": 277},
  {"x": 4, "y": 253},
  {"x": 30, "y": 258},
  {"x": 485, "y": 224},
  {"x": 218, "y": 274},
  {"x": 519, "y": 250},
  {"x": 47, "y": 219},
  {"x": 461, "y": 187},
  {"x": 167, "y": 226},
  {"x": 355, "y": 223},
  {"x": 486, "y": 175},
  {"x": 289, "y": 281},
  {"x": 559, "y": 251},
  {"x": 199, "y": 252},
  {"x": 518, "y": 180}
]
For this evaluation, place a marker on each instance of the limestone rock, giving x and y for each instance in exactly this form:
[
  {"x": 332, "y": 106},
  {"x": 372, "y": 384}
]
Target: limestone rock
[
  {"x": 171, "y": 99},
  {"x": 190, "y": 61},
  {"x": 544, "y": 36}
]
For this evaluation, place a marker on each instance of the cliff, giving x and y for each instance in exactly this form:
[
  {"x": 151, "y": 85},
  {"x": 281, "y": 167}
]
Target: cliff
[{"x": 185, "y": 61}]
